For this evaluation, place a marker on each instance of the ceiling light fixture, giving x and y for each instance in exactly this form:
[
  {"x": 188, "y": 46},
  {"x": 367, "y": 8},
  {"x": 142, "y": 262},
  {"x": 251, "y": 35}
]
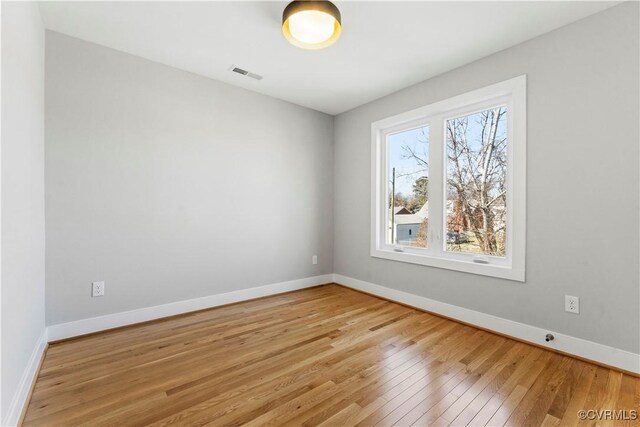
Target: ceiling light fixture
[{"x": 311, "y": 24}]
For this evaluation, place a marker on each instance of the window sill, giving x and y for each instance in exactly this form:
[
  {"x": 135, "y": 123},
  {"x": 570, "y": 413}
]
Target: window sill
[{"x": 492, "y": 270}]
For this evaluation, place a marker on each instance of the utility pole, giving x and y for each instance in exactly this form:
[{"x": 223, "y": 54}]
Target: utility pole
[{"x": 393, "y": 206}]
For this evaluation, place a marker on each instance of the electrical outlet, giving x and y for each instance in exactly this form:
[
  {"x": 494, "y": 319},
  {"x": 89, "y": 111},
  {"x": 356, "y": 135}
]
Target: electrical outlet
[
  {"x": 571, "y": 304},
  {"x": 314, "y": 259},
  {"x": 97, "y": 289}
]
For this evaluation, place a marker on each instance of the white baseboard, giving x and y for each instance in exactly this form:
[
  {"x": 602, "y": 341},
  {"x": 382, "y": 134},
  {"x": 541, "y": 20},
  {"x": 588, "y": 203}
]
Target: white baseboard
[
  {"x": 24, "y": 386},
  {"x": 611, "y": 356},
  {"x": 101, "y": 323}
]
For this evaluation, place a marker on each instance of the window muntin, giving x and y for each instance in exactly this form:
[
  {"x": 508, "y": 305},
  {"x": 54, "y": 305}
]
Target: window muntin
[
  {"x": 505, "y": 259},
  {"x": 407, "y": 186},
  {"x": 476, "y": 182}
]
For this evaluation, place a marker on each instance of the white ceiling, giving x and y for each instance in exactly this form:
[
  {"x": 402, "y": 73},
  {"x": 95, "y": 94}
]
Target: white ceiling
[{"x": 384, "y": 47}]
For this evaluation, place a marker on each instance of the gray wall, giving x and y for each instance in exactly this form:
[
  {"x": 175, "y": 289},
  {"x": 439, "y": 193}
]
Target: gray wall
[
  {"x": 582, "y": 195},
  {"x": 170, "y": 186},
  {"x": 22, "y": 153}
]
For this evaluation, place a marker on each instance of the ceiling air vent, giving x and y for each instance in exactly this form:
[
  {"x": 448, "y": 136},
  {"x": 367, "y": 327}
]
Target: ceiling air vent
[{"x": 245, "y": 73}]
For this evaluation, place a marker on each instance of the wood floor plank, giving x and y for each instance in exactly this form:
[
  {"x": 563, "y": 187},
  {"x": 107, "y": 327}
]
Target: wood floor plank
[
  {"x": 359, "y": 364},
  {"x": 483, "y": 416},
  {"x": 628, "y": 397},
  {"x": 597, "y": 394},
  {"x": 445, "y": 372},
  {"x": 611, "y": 397},
  {"x": 327, "y": 356},
  {"x": 579, "y": 397},
  {"x": 343, "y": 417},
  {"x": 555, "y": 371},
  {"x": 474, "y": 407},
  {"x": 307, "y": 365},
  {"x": 458, "y": 399}
]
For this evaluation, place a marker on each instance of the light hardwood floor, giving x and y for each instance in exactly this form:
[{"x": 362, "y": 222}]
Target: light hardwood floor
[{"x": 325, "y": 356}]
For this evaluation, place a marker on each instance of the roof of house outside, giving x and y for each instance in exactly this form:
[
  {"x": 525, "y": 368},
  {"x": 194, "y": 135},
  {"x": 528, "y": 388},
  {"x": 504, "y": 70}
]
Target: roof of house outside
[{"x": 401, "y": 210}]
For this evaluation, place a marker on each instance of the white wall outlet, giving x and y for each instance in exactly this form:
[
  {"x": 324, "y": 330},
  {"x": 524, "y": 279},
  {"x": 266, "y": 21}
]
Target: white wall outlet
[
  {"x": 571, "y": 304},
  {"x": 314, "y": 259},
  {"x": 97, "y": 289}
]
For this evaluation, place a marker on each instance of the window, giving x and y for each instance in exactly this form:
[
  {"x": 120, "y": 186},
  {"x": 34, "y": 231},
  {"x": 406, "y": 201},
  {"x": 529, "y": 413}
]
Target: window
[
  {"x": 448, "y": 183},
  {"x": 407, "y": 169},
  {"x": 476, "y": 156}
]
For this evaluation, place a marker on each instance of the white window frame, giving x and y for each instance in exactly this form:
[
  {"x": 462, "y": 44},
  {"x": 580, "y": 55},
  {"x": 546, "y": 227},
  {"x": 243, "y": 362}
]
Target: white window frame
[{"x": 510, "y": 93}]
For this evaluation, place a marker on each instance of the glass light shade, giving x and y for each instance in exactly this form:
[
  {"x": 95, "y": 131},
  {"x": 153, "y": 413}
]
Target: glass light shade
[{"x": 311, "y": 24}]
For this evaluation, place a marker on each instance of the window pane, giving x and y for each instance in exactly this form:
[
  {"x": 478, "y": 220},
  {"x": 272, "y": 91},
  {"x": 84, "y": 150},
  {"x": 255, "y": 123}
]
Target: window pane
[
  {"x": 408, "y": 172},
  {"x": 476, "y": 182}
]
